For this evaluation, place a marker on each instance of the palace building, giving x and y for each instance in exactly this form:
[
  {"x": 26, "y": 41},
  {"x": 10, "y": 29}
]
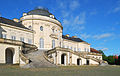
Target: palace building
[{"x": 37, "y": 39}]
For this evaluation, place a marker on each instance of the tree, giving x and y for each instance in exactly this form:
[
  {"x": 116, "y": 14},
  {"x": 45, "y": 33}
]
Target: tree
[
  {"x": 111, "y": 60},
  {"x": 103, "y": 55}
]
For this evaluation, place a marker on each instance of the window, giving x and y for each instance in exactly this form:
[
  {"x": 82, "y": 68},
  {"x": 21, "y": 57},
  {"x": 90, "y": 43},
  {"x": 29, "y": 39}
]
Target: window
[
  {"x": 68, "y": 47},
  {"x": 53, "y": 43},
  {"x": 22, "y": 39},
  {"x": 13, "y": 37},
  {"x": 88, "y": 49},
  {"x": 41, "y": 28},
  {"x": 85, "y": 49},
  {"x": 4, "y": 36},
  {"x": 41, "y": 43},
  {"x": 79, "y": 49},
  {"x": 74, "y": 49},
  {"x": 60, "y": 44},
  {"x": 53, "y": 30},
  {"x": 29, "y": 41}
]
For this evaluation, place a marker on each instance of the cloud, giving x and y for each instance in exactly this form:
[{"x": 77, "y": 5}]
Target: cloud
[
  {"x": 75, "y": 20},
  {"x": 74, "y": 4},
  {"x": 102, "y": 36},
  {"x": 117, "y": 9},
  {"x": 102, "y": 48},
  {"x": 65, "y": 14},
  {"x": 66, "y": 22},
  {"x": 85, "y": 36},
  {"x": 93, "y": 13},
  {"x": 80, "y": 19},
  {"x": 62, "y": 5}
]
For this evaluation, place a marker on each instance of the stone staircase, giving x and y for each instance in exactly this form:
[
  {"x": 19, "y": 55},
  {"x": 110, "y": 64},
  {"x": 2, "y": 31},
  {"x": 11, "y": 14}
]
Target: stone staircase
[
  {"x": 38, "y": 59},
  {"x": 87, "y": 57}
]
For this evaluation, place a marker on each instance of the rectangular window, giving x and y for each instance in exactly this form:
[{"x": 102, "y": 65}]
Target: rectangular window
[
  {"x": 79, "y": 49},
  {"x": 30, "y": 41},
  {"x": 53, "y": 43},
  {"x": 4, "y": 36},
  {"x": 22, "y": 39},
  {"x": 88, "y": 50},
  {"x": 13, "y": 37},
  {"x": 74, "y": 49},
  {"x": 68, "y": 47},
  {"x": 41, "y": 43}
]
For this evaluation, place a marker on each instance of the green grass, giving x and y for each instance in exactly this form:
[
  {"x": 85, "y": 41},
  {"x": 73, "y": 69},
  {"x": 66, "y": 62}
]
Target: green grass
[{"x": 8, "y": 70}]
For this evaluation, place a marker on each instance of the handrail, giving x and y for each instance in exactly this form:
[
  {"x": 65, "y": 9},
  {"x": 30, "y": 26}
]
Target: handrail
[
  {"x": 81, "y": 54},
  {"x": 47, "y": 58},
  {"x": 24, "y": 58}
]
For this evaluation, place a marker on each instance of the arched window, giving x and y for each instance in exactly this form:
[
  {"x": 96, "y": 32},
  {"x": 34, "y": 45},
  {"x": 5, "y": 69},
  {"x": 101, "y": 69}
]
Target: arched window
[
  {"x": 53, "y": 30},
  {"x": 41, "y": 43},
  {"x": 53, "y": 43},
  {"x": 41, "y": 28}
]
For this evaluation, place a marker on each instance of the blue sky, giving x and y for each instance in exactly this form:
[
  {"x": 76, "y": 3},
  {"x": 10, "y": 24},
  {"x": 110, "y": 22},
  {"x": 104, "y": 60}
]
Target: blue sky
[{"x": 95, "y": 21}]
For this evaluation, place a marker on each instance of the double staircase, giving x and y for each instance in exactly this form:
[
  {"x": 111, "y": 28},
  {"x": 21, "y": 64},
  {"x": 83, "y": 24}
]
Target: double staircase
[{"x": 38, "y": 59}]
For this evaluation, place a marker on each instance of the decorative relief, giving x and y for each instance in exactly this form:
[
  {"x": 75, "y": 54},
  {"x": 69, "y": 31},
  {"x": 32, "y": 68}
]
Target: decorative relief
[
  {"x": 54, "y": 36},
  {"x": 47, "y": 25}
]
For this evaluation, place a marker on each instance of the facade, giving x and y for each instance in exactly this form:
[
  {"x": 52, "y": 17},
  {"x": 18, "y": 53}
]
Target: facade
[{"x": 40, "y": 28}]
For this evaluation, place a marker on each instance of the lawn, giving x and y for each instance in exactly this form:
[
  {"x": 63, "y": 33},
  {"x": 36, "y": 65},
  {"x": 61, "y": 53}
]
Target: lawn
[{"x": 7, "y": 70}]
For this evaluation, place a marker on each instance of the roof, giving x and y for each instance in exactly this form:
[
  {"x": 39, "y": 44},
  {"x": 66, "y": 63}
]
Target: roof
[
  {"x": 40, "y": 11},
  {"x": 94, "y": 50},
  {"x": 12, "y": 23},
  {"x": 73, "y": 39}
]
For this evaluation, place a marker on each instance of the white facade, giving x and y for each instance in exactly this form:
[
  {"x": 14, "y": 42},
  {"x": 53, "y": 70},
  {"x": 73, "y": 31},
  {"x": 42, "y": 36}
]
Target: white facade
[{"x": 46, "y": 33}]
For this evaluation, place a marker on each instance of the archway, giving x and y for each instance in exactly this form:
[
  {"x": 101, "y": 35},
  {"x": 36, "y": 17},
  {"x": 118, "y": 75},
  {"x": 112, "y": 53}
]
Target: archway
[
  {"x": 9, "y": 55},
  {"x": 79, "y": 61},
  {"x": 87, "y": 62},
  {"x": 63, "y": 59}
]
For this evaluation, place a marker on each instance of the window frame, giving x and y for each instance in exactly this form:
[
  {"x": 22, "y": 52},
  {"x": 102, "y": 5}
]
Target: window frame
[{"x": 41, "y": 28}]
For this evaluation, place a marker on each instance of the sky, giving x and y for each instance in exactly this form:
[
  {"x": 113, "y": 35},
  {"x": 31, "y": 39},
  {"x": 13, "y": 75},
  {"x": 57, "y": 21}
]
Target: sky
[{"x": 95, "y": 21}]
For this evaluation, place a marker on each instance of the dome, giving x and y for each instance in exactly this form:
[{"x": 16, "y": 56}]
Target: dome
[{"x": 40, "y": 11}]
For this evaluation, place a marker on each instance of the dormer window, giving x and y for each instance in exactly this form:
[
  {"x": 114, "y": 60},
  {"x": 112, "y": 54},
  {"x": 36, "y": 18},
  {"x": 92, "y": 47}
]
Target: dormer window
[
  {"x": 52, "y": 16},
  {"x": 41, "y": 28}
]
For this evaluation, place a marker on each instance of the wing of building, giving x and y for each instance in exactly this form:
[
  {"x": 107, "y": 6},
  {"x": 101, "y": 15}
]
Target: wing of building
[{"x": 39, "y": 30}]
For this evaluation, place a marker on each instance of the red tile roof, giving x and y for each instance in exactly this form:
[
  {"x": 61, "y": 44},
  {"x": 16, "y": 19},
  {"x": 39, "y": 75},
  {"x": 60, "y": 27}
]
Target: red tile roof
[{"x": 94, "y": 50}]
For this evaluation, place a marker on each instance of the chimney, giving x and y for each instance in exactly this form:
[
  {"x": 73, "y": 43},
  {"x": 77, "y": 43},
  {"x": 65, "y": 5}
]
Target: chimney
[
  {"x": 74, "y": 36},
  {"x": 67, "y": 35},
  {"x": 16, "y": 20},
  {"x": 24, "y": 14}
]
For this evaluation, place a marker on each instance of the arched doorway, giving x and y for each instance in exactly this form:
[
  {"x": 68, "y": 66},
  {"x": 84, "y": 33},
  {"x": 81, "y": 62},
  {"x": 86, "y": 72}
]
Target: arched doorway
[
  {"x": 9, "y": 55},
  {"x": 79, "y": 61},
  {"x": 87, "y": 62},
  {"x": 63, "y": 59}
]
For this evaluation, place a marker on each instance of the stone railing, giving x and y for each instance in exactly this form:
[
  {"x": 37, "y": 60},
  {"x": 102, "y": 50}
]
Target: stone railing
[
  {"x": 47, "y": 58},
  {"x": 24, "y": 58},
  {"x": 81, "y": 54},
  {"x": 25, "y": 48},
  {"x": 84, "y": 55},
  {"x": 9, "y": 41}
]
